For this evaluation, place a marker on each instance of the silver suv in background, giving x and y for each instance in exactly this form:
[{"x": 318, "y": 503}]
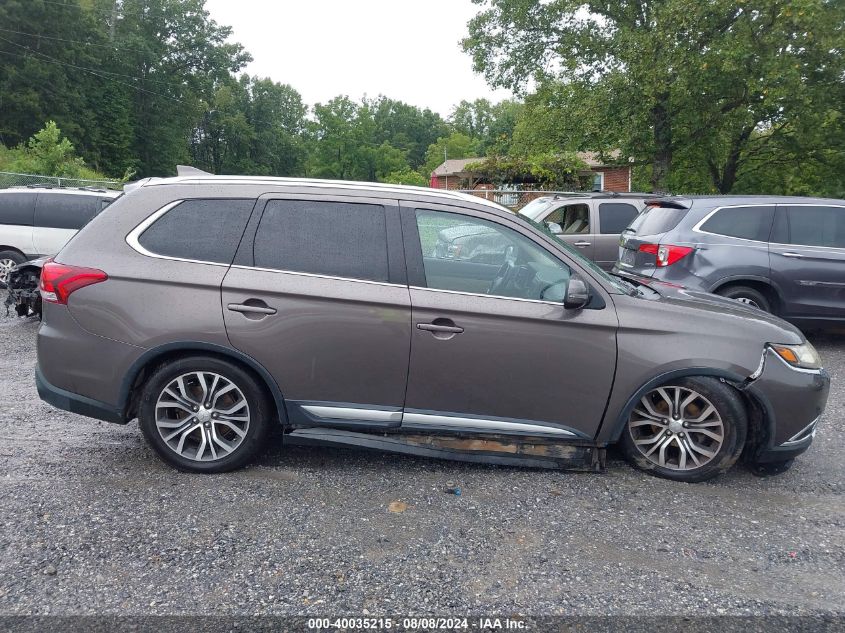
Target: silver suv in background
[
  {"x": 782, "y": 255},
  {"x": 589, "y": 222},
  {"x": 218, "y": 308}
]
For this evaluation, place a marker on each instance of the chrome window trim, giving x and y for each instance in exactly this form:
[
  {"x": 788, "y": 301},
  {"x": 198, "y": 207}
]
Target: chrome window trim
[
  {"x": 135, "y": 234},
  {"x": 478, "y": 294},
  {"x": 411, "y": 420},
  {"x": 319, "y": 276},
  {"x": 697, "y": 227}
]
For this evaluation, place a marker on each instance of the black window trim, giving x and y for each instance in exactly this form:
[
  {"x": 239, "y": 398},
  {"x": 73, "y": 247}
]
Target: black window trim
[
  {"x": 808, "y": 204},
  {"x": 697, "y": 228}
]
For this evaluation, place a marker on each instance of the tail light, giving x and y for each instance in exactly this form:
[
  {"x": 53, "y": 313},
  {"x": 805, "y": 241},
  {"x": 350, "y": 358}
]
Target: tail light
[
  {"x": 666, "y": 254},
  {"x": 59, "y": 281}
]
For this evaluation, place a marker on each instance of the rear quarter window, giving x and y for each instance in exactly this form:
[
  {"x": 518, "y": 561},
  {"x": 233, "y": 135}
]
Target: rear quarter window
[
  {"x": 748, "y": 223},
  {"x": 655, "y": 220},
  {"x": 65, "y": 211},
  {"x": 17, "y": 208},
  {"x": 202, "y": 230}
]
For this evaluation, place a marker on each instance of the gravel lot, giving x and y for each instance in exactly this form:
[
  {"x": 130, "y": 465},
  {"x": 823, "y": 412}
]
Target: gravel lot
[{"x": 93, "y": 522}]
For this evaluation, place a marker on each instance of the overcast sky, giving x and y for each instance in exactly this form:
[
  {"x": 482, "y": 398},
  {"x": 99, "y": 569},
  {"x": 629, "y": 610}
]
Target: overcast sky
[{"x": 405, "y": 49}]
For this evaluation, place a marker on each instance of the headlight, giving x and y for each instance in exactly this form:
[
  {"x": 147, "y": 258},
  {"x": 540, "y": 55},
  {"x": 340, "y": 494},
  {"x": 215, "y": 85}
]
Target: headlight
[{"x": 804, "y": 355}]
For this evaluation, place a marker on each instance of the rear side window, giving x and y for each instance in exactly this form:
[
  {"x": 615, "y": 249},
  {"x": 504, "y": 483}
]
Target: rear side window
[
  {"x": 17, "y": 208},
  {"x": 615, "y": 216},
  {"x": 654, "y": 220},
  {"x": 201, "y": 230},
  {"x": 340, "y": 239},
  {"x": 810, "y": 226},
  {"x": 65, "y": 211},
  {"x": 748, "y": 223}
]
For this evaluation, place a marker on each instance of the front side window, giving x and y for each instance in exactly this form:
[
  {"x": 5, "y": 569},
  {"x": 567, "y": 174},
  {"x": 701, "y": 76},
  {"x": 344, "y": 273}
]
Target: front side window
[
  {"x": 572, "y": 218},
  {"x": 810, "y": 226},
  {"x": 200, "y": 230},
  {"x": 467, "y": 254},
  {"x": 338, "y": 239},
  {"x": 748, "y": 223},
  {"x": 615, "y": 216}
]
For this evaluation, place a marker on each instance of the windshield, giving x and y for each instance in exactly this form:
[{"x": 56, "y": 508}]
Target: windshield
[
  {"x": 617, "y": 282},
  {"x": 535, "y": 208}
]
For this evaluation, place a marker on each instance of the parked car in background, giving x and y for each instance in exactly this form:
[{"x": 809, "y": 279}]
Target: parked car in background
[
  {"x": 782, "y": 255},
  {"x": 38, "y": 221},
  {"x": 590, "y": 222},
  {"x": 219, "y": 308}
]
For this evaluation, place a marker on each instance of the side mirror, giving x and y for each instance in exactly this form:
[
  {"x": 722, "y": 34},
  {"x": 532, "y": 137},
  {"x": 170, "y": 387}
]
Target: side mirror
[
  {"x": 554, "y": 228},
  {"x": 577, "y": 293}
]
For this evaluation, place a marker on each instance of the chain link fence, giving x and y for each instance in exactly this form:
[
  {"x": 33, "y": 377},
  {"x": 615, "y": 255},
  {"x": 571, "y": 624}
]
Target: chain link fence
[
  {"x": 515, "y": 200},
  {"x": 11, "y": 179}
]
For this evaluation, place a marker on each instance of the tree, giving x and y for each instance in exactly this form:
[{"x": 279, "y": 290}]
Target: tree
[
  {"x": 706, "y": 83},
  {"x": 492, "y": 125},
  {"x": 559, "y": 170},
  {"x": 456, "y": 145},
  {"x": 406, "y": 176}
]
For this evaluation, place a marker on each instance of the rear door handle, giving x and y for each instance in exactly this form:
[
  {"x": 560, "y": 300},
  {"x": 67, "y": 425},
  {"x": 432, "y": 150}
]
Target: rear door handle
[
  {"x": 258, "y": 307},
  {"x": 793, "y": 255},
  {"x": 581, "y": 244}
]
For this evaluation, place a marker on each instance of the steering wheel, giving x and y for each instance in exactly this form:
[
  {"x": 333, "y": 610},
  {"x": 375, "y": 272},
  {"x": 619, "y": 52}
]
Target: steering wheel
[{"x": 506, "y": 273}]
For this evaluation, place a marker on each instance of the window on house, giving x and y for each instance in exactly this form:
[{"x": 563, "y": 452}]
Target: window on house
[{"x": 598, "y": 181}]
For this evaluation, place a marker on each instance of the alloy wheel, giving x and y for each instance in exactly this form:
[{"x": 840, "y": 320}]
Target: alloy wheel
[
  {"x": 202, "y": 416},
  {"x": 676, "y": 428},
  {"x": 6, "y": 266}
]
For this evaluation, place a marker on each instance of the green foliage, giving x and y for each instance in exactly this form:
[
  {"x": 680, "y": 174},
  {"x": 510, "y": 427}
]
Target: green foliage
[
  {"x": 406, "y": 176},
  {"x": 707, "y": 93},
  {"x": 559, "y": 170},
  {"x": 491, "y": 124},
  {"x": 47, "y": 153},
  {"x": 456, "y": 145}
]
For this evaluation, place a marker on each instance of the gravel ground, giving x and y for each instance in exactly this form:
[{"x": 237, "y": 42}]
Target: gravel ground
[{"x": 94, "y": 523}]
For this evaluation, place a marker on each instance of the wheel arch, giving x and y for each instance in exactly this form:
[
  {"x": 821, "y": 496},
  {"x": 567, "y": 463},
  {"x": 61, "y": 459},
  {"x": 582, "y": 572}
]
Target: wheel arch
[
  {"x": 129, "y": 390},
  {"x": 759, "y": 283},
  {"x": 760, "y": 413}
]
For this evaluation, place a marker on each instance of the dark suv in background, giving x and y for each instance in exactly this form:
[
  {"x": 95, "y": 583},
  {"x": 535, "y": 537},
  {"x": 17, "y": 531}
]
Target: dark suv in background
[
  {"x": 218, "y": 308},
  {"x": 782, "y": 255}
]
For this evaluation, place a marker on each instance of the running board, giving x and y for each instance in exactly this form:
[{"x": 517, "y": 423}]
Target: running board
[{"x": 527, "y": 452}]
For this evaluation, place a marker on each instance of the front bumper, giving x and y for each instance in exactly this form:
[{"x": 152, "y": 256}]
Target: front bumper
[{"x": 793, "y": 401}]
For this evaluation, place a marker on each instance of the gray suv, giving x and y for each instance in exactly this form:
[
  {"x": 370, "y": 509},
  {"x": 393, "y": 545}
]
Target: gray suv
[
  {"x": 782, "y": 255},
  {"x": 214, "y": 309}
]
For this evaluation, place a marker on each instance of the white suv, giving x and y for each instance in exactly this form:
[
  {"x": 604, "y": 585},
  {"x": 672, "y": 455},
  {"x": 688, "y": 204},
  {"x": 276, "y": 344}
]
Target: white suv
[{"x": 40, "y": 221}]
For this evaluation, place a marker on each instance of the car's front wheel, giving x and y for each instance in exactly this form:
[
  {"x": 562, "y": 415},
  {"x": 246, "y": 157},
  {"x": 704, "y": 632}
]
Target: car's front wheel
[
  {"x": 8, "y": 261},
  {"x": 204, "y": 414},
  {"x": 690, "y": 430}
]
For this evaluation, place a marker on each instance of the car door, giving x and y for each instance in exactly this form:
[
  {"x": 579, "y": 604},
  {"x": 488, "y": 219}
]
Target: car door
[
  {"x": 318, "y": 296},
  {"x": 611, "y": 218},
  {"x": 17, "y": 210},
  {"x": 807, "y": 259},
  {"x": 510, "y": 358},
  {"x": 59, "y": 216},
  {"x": 575, "y": 221}
]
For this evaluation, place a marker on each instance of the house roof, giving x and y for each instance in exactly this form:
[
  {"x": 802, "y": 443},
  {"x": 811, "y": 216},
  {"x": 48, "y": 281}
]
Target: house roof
[{"x": 457, "y": 166}]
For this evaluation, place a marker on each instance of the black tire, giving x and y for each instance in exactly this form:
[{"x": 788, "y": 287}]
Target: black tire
[
  {"x": 734, "y": 418},
  {"x": 6, "y": 256},
  {"x": 260, "y": 414},
  {"x": 747, "y": 295},
  {"x": 771, "y": 469}
]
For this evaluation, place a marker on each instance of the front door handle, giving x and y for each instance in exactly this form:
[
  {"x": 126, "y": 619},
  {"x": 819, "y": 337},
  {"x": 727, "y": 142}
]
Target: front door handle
[
  {"x": 581, "y": 244},
  {"x": 441, "y": 328},
  {"x": 793, "y": 255},
  {"x": 253, "y": 307}
]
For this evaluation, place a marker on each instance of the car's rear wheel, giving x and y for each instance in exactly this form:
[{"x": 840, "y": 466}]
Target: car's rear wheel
[
  {"x": 8, "y": 260},
  {"x": 690, "y": 430},
  {"x": 203, "y": 414},
  {"x": 747, "y": 295}
]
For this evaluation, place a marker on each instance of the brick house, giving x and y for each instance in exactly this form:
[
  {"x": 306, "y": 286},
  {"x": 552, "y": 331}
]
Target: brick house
[{"x": 452, "y": 174}]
